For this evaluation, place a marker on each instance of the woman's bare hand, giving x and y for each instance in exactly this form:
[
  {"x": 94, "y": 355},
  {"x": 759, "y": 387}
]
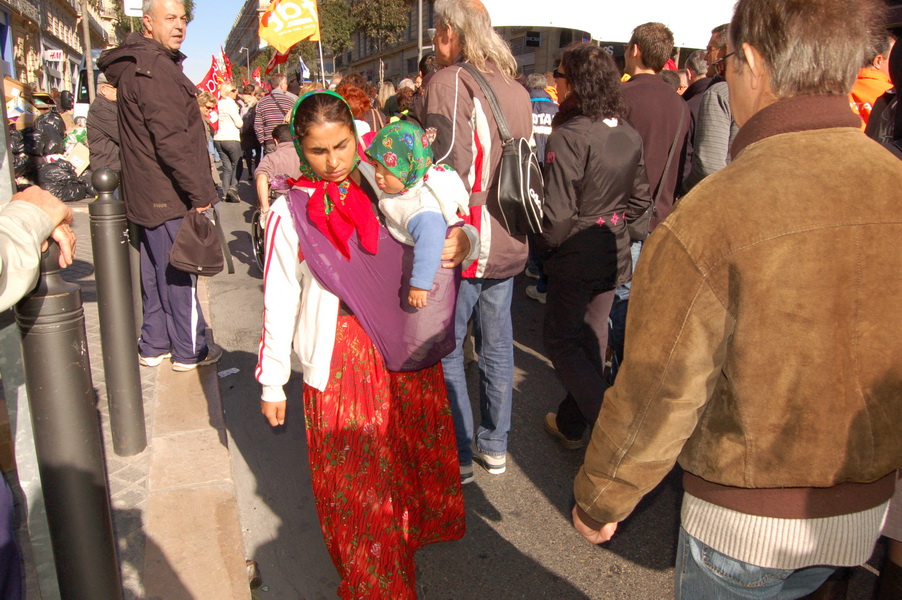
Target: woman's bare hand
[{"x": 274, "y": 412}]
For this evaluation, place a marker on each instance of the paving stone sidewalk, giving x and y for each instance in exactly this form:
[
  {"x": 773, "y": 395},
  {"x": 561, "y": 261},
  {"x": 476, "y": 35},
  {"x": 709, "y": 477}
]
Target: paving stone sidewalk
[{"x": 174, "y": 509}]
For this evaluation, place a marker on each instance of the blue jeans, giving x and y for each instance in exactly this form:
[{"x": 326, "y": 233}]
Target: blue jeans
[
  {"x": 618, "y": 314},
  {"x": 704, "y": 573},
  {"x": 230, "y": 155},
  {"x": 488, "y": 303}
]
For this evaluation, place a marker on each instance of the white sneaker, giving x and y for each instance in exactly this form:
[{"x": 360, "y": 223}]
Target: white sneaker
[
  {"x": 534, "y": 293},
  {"x": 153, "y": 361},
  {"x": 214, "y": 353},
  {"x": 495, "y": 465}
]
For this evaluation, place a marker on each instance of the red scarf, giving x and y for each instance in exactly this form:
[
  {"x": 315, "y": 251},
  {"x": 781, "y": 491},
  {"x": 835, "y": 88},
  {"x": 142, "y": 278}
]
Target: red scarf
[{"x": 338, "y": 209}]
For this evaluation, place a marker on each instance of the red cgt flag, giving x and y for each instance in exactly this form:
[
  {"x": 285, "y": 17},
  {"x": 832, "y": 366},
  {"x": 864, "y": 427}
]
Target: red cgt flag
[
  {"x": 277, "y": 59},
  {"x": 256, "y": 76},
  {"x": 210, "y": 82}
]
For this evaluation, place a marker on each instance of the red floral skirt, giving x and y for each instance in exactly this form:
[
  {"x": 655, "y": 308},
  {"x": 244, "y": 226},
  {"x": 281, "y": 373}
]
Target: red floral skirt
[{"x": 383, "y": 456}]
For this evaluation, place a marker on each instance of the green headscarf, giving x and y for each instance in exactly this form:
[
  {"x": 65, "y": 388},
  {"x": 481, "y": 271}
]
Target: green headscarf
[
  {"x": 337, "y": 209},
  {"x": 404, "y": 149},
  {"x": 306, "y": 170}
]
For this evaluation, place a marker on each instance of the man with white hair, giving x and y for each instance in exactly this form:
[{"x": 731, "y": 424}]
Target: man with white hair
[
  {"x": 784, "y": 418},
  {"x": 468, "y": 140},
  {"x": 165, "y": 174}
]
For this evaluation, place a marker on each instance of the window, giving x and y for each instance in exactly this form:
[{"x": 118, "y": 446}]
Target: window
[
  {"x": 518, "y": 46},
  {"x": 566, "y": 38}
]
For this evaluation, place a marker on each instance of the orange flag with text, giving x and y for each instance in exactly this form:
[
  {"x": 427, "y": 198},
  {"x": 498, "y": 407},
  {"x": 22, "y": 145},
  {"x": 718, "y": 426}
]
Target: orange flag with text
[{"x": 287, "y": 22}]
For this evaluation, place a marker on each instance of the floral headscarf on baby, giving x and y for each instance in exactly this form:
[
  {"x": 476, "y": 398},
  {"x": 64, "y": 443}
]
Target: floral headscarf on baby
[{"x": 404, "y": 149}]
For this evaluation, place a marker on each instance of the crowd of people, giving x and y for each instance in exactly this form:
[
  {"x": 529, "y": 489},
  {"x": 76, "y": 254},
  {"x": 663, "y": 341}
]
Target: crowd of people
[
  {"x": 733, "y": 283},
  {"x": 725, "y": 230}
]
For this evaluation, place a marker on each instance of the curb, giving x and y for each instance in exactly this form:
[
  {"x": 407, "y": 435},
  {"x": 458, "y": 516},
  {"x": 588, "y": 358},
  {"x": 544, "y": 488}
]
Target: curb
[{"x": 194, "y": 547}]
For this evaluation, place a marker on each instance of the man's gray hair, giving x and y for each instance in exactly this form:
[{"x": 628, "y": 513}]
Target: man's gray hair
[
  {"x": 536, "y": 81},
  {"x": 881, "y": 41},
  {"x": 721, "y": 32},
  {"x": 697, "y": 63},
  {"x": 808, "y": 47},
  {"x": 147, "y": 6},
  {"x": 470, "y": 20}
]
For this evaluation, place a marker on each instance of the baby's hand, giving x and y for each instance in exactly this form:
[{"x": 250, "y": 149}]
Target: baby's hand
[{"x": 417, "y": 297}]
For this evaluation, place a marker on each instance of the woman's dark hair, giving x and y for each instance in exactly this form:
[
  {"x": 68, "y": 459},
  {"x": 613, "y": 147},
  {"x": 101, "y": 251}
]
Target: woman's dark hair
[
  {"x": 427, "y": 64},
  {"x": 594, "y": 81},
  {"x": 405, "y": 99},
  {"x": 319, "y": 109},
  {"x": 358, "y": 80}
]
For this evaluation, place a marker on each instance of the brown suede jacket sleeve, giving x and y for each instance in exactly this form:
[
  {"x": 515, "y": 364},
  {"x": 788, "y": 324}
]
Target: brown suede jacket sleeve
[{"x": 677, "y": 332}]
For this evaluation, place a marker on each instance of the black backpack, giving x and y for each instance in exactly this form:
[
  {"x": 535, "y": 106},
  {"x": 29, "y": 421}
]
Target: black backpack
[{"x": 521, "y": 189}]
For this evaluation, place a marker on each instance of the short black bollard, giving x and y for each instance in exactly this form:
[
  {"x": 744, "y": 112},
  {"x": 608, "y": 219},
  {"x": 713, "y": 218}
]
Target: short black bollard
[
  {"x": 109, "y": 240},
  {"x": 67, "y": 435}
]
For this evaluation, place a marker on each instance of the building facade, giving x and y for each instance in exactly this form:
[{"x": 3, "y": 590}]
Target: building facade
[
  {"x": 536, "y": 49},
  {"x": 242, "y": 45},
  {"x": 41, "y": 41}
]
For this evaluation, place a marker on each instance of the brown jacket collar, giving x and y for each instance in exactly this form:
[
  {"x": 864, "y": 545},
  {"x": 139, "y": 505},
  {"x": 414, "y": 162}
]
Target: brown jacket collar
[{"x": 800, "y": 113}]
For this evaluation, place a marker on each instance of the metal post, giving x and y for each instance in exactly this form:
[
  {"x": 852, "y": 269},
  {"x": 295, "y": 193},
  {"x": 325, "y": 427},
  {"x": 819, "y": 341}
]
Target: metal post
[
  {"x": 109, "y": 241},
  {"x": 89, "y": 57},
  {"x": 67, "y": 435},
  {"x": 134, "y": 258},
  {"x": 419, "y": 31}
]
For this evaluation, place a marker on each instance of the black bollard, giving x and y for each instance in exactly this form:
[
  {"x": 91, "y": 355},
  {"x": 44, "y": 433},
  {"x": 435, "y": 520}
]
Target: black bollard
[
  {"x": 67, "y": 435},
  {"x": 134, "y": 255},
  {"x": 110, "y": 242}
]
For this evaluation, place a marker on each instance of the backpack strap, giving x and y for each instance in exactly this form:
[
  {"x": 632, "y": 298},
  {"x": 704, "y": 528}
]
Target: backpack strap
[
  {"x": 492, "y": 99},
  {"x": 670, "y": 154}
]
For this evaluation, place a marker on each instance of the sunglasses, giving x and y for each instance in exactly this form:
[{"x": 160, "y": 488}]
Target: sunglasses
[
  {"x": 726, "y": 56},
  {"x": 558, "y": 75}
]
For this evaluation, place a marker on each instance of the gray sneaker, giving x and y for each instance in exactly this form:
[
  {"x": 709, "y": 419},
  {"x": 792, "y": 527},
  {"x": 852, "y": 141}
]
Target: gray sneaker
[
  {"x": 495, "y": 465},
  {"x": 466, "y": 474},
  {"x": 214, "y": 353}
]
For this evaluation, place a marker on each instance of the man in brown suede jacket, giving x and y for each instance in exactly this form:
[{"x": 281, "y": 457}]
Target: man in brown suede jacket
[{"x": 763, "y": 333}]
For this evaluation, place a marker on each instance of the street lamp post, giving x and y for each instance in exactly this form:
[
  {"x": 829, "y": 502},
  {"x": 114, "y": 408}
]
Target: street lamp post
[
  {"x": 247, "y": 53},
  {"x": 419, "y": 31}
]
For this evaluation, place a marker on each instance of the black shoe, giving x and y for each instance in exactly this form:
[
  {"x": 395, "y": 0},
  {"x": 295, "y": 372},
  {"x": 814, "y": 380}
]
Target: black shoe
[{"x": 232, "y": 196}]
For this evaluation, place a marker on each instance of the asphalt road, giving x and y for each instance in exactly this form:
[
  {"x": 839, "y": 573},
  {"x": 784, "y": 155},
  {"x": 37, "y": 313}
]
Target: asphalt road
[{"x": 519, "y": 541}]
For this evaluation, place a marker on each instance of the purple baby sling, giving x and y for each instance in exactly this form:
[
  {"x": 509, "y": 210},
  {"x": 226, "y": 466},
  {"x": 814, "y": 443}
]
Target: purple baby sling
[{"x": 375, "y": 288}]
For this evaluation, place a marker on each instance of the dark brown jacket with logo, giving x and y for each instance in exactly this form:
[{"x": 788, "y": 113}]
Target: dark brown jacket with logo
[
  {"x": 163, "y": 146},
  {"x": 594, "y": 182}
]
